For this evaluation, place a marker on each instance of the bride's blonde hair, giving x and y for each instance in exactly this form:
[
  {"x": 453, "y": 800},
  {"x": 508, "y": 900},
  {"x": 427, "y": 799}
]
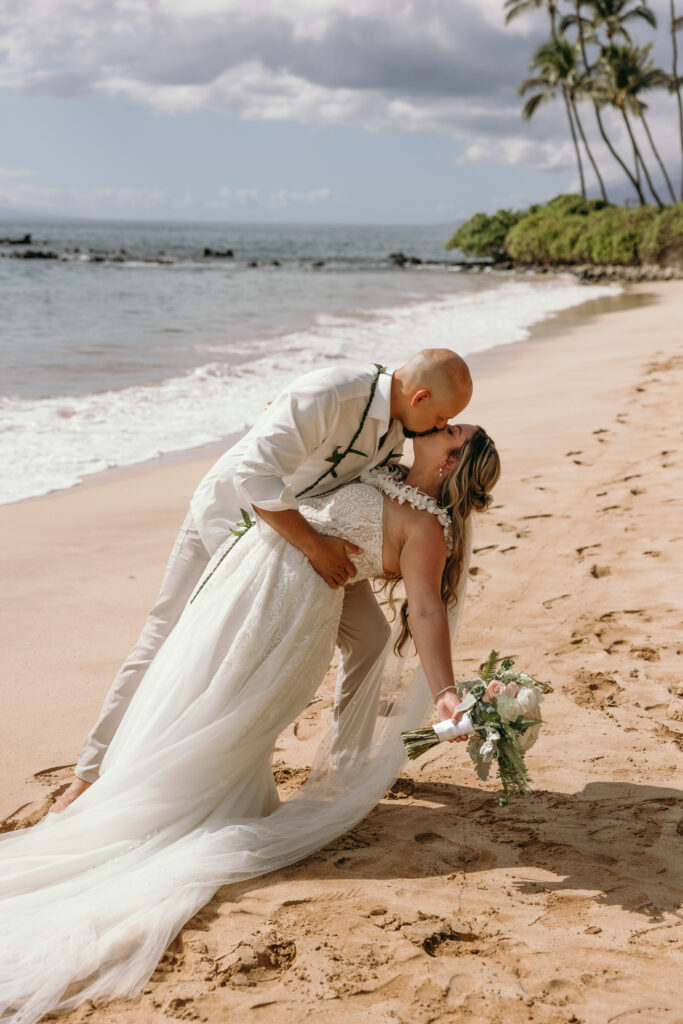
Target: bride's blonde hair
[{"x": 466, "y": 489}]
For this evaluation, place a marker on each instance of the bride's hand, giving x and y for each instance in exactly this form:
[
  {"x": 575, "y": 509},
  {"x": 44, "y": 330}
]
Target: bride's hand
[
  {"x": 447, "y": 707},
  {"x": 330, "y": 559}
]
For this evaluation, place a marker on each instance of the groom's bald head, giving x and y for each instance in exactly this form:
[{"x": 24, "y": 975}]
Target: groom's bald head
[{"x": 434, "y": 386}]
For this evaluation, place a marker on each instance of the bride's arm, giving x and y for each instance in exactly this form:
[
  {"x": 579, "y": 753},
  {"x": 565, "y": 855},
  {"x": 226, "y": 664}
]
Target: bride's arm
[{"x": 422, "y": 562}]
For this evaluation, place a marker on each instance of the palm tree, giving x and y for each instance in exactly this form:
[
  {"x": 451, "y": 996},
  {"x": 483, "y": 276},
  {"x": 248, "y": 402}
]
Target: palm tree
[
  {"x": 625, "y": 72},
  {"x": 585, "y": 32},
  {"x": 513, "y": 9},
  {"x": 675, "y": 82},
  {"x": 612, "y": 15},
  {"x": 555, "y": 67}
]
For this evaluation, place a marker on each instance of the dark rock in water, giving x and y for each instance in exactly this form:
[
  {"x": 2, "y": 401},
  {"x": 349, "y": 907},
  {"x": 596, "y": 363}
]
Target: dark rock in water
[
  {"x": 33, "y": 254},
  {"x": 96, "y": 259},
  {"x": 26, "y": 240},
  {"x": 225, "y": 254},
  {"x": 399, "y": 259},
  {"x": 318, "y": 263},
  {"x": 275, "y": 263},
  {"x": 252, "y": 263}
]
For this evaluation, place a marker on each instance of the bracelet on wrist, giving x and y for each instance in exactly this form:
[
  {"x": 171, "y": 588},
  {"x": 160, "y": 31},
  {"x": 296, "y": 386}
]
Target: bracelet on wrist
[{"x": 452, "y": 687}]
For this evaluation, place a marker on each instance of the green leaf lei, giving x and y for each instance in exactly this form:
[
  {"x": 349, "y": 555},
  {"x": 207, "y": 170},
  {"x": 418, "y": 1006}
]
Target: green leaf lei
[{"x": 335, "y": 458}]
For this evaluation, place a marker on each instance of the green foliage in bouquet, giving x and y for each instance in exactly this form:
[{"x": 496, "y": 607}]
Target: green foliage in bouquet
[{"x": 504, "y": 726}]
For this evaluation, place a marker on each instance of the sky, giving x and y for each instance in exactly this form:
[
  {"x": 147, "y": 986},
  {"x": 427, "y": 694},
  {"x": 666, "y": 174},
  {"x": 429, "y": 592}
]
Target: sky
[{"x": 329, "y": 111}]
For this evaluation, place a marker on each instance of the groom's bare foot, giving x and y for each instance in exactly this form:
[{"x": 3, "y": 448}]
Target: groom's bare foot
[{"x": 77, "y": 787}]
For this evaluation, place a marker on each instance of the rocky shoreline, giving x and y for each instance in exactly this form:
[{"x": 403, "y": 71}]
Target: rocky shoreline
[{"x": 25, "y": 248}]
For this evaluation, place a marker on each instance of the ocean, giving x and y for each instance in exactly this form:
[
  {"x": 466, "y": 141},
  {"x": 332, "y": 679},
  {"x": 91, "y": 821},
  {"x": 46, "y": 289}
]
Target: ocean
[{"x": 147, "y": 338}]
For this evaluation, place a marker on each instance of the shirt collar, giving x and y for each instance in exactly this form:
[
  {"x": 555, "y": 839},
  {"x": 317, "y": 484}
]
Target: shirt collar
[{"x": 380, "y": 407}]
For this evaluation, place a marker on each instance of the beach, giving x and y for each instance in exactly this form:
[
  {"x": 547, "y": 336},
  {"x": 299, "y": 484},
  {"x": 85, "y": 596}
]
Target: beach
[{"x": 441, "y": 905}]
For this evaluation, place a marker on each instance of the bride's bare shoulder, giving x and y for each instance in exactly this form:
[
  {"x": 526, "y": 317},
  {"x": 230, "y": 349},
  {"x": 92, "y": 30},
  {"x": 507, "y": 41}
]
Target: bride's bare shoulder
[{"x": 422, "y": 528}]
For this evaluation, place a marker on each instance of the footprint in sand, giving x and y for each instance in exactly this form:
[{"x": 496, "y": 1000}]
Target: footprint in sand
[
  {"x": 595, "y": 690},
  {"x": 438, "y": 938},
  {"x": 257, "y": 961},
  {"x": 586, "y": 547},
  {"x": 645, "y": 653},
  {"x": 551, "y": 600}
]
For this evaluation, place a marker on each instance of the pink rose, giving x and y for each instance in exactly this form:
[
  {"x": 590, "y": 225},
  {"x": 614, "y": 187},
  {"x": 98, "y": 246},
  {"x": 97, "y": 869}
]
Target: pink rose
[
  {"x": 511, "y": 690},
  {"x": 493, "y": 690}
]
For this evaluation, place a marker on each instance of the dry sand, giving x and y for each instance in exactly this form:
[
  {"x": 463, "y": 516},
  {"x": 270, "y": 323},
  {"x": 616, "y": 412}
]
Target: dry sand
[{"x": 440, "y": 906}]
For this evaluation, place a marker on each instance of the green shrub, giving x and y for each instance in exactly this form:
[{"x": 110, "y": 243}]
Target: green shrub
[
  {"x": 570, "y": 229},
  {"x": 572, "y": 204},
  {"x": 614, "y": 235},
  {"x": 663, "y": 238},
  {"x": 483, "y": 235}
]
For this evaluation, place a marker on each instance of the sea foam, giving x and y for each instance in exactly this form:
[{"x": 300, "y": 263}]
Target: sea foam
[{"x": 53, "y": 443}]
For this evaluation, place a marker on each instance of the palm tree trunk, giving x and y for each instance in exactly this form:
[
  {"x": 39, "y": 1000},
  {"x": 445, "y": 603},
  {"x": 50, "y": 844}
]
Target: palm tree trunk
[
  {"x": 596, "y": 108},
  {"x": 567, "y": 103},
  {"x": 590, "y": 155},
  {"x": 637, "y": 159},
  {"x": 677, "y": 86},
  {"x": 638, "y": 156},
  {"x": 552, "y": 14},
  {"x": 605, "y": 138},
  {"x": 658, "y": 158}
]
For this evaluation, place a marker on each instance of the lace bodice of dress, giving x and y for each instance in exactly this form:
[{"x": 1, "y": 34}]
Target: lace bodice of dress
[{"x": 355, "y": 513}]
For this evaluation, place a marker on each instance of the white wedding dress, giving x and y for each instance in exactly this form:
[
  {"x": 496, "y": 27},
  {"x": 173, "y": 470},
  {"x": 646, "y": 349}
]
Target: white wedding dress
[{"x": 186, "y": 802}]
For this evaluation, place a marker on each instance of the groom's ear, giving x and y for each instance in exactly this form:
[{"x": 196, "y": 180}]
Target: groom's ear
[{"x": 420, "y": 396}]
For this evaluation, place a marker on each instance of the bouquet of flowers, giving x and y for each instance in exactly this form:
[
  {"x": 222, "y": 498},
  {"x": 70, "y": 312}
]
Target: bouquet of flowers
[{"x": 501, "y": 711}]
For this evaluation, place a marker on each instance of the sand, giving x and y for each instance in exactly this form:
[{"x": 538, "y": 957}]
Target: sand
[{"x": 441, "y": 905}]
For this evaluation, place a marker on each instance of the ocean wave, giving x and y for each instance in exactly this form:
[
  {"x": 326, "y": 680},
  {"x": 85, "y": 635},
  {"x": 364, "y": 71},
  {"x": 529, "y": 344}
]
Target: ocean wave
[{"x": 54, "y": 443}]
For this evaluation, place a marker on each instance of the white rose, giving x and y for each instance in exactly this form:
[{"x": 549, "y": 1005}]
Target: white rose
[
  {"x": 509, "y": 709},
  {"x": 486, "y": 750},
  {"x": 529, "y": 737},
  {"x": 529, "y": 697}
]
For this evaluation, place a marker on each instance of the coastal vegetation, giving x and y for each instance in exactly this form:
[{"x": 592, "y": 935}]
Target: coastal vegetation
[
  {"x": 593, "y": 66},
  {"x": 571, "y": 230},
  {"x": 591, "y": 61}
]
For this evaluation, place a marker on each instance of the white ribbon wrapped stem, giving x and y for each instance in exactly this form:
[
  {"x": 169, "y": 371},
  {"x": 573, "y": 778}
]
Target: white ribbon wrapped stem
[{"x": 449, "y": 729}]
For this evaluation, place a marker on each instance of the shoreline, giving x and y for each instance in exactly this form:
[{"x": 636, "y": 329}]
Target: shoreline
[
  {"x": 439, "y": 904},
  {"x": 481, "y": 362}
]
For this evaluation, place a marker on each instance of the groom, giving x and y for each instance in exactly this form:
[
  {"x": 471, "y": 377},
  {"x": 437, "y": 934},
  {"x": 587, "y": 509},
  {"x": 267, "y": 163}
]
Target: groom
[{"x": 321, "y": 432}]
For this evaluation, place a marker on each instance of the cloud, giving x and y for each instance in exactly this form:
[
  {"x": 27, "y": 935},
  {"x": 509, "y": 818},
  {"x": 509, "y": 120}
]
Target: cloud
[
  {"x": 255, "y": 199},
  {"x": 22, "y": 189},
  {"x": 324, "y": 62},
  {"x": 446, "y": 66}
]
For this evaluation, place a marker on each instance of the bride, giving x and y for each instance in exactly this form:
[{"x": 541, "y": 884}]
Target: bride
[{"x": 186, "y": 802}]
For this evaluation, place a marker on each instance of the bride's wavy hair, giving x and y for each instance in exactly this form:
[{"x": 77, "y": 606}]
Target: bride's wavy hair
[{"x": 466, "y": 489}]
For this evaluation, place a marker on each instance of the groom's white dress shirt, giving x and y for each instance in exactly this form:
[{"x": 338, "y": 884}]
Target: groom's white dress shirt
[
  {"x": 284, "y": 453},
  {"x": 289, "y": 446}
]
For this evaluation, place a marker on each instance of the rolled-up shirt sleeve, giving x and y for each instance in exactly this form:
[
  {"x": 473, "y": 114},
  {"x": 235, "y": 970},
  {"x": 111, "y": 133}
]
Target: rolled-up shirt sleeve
[{"x": 289, "y": 432}]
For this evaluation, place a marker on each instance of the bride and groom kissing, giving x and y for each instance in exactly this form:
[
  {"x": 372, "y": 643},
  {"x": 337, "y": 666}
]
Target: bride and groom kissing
[{"x": 174, "y": 794}]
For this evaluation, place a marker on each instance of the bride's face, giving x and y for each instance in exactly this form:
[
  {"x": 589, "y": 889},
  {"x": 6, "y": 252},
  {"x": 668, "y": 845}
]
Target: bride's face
[{"x": 433, "y": 450}]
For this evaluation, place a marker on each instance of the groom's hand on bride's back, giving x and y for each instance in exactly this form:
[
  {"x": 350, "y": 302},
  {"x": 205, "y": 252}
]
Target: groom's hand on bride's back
[{"x": 329, "y": 556}]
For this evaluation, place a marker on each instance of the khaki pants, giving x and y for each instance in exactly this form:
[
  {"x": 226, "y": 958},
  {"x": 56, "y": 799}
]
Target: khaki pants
[{"x": 363, "y": 634}]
